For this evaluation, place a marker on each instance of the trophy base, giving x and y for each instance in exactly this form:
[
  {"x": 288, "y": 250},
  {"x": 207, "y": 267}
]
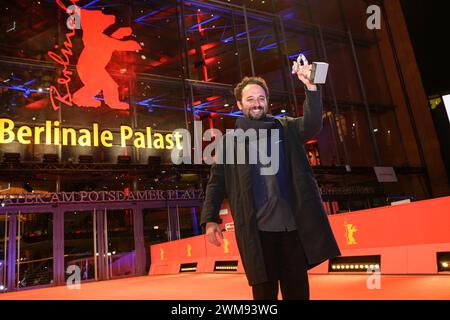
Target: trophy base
[{"x": 319, "y": 72}]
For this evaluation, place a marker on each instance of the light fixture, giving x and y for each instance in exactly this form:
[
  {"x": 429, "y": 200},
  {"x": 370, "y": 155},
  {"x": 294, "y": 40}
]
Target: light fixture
[
  {"x": 443, "y": 261},
  {"x": 188, "y": 267},
  {"x": 226, "y": 268},
  {"x": 226, "y": 265},
  {"x": 355, "y": 264}
]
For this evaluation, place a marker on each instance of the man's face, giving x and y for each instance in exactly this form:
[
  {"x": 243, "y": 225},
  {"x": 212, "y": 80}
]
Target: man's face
[{"x": 254, "y": 102}]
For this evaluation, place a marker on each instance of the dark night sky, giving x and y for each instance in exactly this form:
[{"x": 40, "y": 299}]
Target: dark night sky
[{"x": 428, "y": 22}]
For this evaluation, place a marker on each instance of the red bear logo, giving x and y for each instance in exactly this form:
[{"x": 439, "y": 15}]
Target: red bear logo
[{"x": 97, "y": 52}]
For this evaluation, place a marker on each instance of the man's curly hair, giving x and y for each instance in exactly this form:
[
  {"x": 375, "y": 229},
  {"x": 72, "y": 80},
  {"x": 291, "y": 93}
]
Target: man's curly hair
[{"x": 250, "y": 80}]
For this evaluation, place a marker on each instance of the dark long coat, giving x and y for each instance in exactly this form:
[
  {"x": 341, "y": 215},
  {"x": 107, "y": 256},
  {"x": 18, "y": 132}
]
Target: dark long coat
[{"x": 234, "y": 181}]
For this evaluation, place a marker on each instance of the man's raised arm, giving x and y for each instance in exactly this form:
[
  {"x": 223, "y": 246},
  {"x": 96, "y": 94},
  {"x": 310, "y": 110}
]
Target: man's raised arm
[{"x": 310, "y": 123}]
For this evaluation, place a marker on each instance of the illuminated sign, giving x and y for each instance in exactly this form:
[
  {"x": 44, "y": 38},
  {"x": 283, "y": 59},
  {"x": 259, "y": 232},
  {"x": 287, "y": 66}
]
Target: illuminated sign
[
  {"x": 52, "y": 134},
  {"x": 446, "y": 100},
  {"x": 93, "y": 59},
  {"x": 100, "y": 196},
  {"x": 64, "y": 60}
]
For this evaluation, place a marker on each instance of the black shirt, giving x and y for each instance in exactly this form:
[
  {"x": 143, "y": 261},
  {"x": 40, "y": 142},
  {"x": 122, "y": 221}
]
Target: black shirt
[{"x": 271, "y": 192}]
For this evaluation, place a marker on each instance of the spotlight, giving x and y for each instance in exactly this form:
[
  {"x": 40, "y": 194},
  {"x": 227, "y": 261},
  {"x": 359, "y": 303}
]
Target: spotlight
[{"x": 443, "y": 261}]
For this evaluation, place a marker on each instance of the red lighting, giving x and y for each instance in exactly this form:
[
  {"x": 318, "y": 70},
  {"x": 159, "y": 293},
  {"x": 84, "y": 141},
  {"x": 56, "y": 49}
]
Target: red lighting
[
  {"x": 36, "y": 105},
  {"x": 213, "y": 98}
]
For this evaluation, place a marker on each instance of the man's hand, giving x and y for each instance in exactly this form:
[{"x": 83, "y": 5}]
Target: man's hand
[
  {"x": 303, "y": 73},
  {"x": 212, "y": 229}
]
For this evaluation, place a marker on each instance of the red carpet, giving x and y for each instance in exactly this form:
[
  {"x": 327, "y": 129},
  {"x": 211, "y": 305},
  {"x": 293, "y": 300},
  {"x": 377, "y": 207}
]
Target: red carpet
[{"x": 217, "y": 286}]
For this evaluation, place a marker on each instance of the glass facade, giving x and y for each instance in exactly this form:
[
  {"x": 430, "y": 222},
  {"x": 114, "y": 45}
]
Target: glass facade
[
  {"x": 188, "y": 57},
  {"x": 79, "y": 243},
  {"x": 35, "y": 249},
  {"x": 3, "y": 250},
  {"x": 68, "y": 242}
]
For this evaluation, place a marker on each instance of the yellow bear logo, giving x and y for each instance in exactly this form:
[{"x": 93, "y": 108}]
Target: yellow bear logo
[
  {"x": 350, "y": 230},
  {"x": 226, "y": 245}
]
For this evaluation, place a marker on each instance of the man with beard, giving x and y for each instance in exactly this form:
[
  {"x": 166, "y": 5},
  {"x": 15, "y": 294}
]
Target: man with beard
[{"x": 281, "y": 227}]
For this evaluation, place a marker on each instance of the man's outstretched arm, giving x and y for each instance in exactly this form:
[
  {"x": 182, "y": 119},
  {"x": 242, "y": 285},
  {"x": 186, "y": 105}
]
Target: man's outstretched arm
[{"x": 215, "y": 193}]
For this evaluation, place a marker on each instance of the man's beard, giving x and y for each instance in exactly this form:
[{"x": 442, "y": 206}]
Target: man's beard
[{"x": 259, "y": 115}]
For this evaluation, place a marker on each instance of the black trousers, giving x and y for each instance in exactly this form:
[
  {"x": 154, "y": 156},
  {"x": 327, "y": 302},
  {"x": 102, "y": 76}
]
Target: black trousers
[{"x": 286, "y": 265}]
